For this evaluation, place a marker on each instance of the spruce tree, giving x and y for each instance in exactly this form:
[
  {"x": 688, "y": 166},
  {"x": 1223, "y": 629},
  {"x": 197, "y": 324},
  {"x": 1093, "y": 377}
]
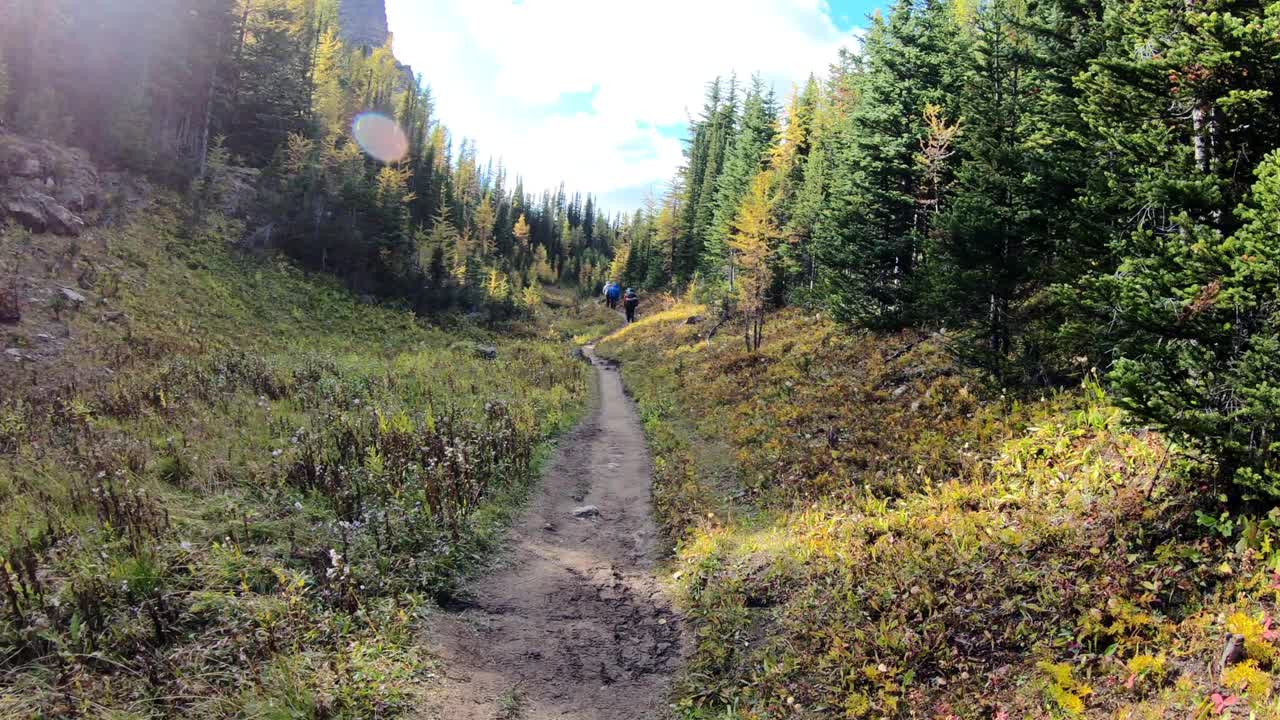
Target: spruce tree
[
  {"x": 870, "y": 236},
  {"x": 1183, "y": 98},
  {"x": 747, "y": 156}
]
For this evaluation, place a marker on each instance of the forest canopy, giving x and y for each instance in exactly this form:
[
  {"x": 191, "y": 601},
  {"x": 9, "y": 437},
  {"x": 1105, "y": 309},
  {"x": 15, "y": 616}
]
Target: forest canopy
[
  {"x": 1055, "y": 186},
  {"x": 221, "y": 87}
]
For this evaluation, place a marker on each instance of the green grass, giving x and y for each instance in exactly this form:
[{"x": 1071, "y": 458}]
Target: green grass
[
  {"x": 238, "y": 487},
  {"x": 863, "y": 529}
]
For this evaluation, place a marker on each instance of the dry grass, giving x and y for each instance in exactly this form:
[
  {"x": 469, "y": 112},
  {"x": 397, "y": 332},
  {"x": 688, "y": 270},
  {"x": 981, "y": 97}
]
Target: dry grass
[
  {"x": 894, "y": 539},
  {"x": 229, "y": 489}
]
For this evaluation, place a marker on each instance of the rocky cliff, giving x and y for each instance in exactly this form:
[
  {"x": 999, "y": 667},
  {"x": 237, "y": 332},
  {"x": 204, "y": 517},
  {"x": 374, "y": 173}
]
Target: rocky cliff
[{"x": 363, "y": 22}]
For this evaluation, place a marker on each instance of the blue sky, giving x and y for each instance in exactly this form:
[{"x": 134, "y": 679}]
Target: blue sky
[{"x": 598, "y": 92}]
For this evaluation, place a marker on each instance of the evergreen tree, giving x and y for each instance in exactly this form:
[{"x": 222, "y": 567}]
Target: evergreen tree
[
  {"x": 1183, "y": 98},
  {"x": 745, "y": 159},
  {"x": 871, "y": 235}
]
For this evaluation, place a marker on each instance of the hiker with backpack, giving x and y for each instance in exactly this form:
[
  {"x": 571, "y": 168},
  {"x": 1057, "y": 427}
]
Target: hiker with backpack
[{"x": 629, "y": 303}]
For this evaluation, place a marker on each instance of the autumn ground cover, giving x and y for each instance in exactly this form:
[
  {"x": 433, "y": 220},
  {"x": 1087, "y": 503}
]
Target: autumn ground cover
[
  {"x": 861, "y": 528},
  {"x": 230, "y": 489}
]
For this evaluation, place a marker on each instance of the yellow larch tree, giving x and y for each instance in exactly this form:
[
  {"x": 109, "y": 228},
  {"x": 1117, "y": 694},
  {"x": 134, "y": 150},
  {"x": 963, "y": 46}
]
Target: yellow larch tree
[
  {"x": 755, "y": 232},
  {"x": 619, "y": 265},
  {"x": 521, "y": 232},
  {"x": 484, "y": 221}
]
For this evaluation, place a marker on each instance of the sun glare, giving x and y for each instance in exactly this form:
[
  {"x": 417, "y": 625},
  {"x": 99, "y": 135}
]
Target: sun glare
[{"x": 380, "y": 137}]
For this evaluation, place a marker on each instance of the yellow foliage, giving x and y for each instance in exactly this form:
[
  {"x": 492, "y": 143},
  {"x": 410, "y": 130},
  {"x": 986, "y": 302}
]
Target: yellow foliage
[
  {"x": 1141, "y": 667},
  {"x": 619, "y": 264},
  {"x": 856, "y": 706},
  {"x": 1256, "y": 644},
  {"x": 393, "y": 186},
  {"x": 531, "y": 296},
  {"x": 754, "y": 233},
  {"x": 1062, "y": 689},
  {"x": 496, "y": 287},
  {"x": 1247, "y": 677},
  {"x": 521, "y": 232}
]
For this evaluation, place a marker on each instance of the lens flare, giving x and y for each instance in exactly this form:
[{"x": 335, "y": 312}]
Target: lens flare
[{"x": 380, "y": 137}]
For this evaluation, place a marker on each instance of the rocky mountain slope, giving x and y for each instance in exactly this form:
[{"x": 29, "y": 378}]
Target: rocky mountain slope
[{"x": 363, "y": 22}]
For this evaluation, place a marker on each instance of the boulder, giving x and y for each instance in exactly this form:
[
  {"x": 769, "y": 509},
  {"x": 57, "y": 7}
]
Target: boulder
[
  {"x": 46, "y": 185},
  {"x": 27, "y": 167},
  {"x": 693, "y": 320},
  {"x": 586, "y": 511},
  {"x": 261, "y": 238},
  {"x": 72, "y": 296},
  {"x": 484, "y": 352},
  {"x": 40, "y": 213}
]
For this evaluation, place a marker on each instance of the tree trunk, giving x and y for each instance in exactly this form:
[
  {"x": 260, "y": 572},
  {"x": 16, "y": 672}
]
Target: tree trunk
[{"x": 208, "y": 109}]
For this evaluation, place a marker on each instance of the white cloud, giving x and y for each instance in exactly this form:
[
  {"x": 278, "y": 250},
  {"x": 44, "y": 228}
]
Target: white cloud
[{"x": 498, "y": 68}]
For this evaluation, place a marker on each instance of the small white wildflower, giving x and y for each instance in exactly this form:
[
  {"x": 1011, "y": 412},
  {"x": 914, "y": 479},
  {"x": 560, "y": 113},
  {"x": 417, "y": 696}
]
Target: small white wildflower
[{"x": 276, "y": 453}]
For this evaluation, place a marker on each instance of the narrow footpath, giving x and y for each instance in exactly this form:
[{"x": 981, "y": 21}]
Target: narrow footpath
[{"x": 573, "y": 625}]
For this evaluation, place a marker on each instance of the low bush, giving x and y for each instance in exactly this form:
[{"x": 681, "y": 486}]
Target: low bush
[{"x": 862, "y": 529}]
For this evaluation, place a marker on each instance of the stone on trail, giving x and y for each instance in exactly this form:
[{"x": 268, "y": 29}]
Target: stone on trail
[
  {"x": 72, "y": 296},
  {"x": 586, "y": 511}
]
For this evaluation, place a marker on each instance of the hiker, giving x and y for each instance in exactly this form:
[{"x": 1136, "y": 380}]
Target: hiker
[
  {"x": 613, "y": 295},
  {"x": 608, "y": 294},
  {"x": 630, "y": 301}
]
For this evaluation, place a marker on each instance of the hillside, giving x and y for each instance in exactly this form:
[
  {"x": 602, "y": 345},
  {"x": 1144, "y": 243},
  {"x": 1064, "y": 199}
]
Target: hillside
[
  {"x": 864, "y": 529},
  {"x": 229, "y": 488}
]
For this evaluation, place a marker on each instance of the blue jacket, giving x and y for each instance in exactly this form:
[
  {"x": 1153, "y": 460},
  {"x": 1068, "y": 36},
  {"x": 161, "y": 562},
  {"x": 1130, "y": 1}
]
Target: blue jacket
[{"x": 614, "y": 292}]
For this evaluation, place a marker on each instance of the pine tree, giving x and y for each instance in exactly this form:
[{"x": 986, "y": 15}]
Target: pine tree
[
  {"x": 485, "y": 219},
  {"x": 745, "y": 159},
  {"x": 1200, "y": 351},
  {"x": 871, "y": 236},
  {"x": 711, "y": 135},
  {"x": 996, "y": 234},
  {"x": 328, "y": 101},
  {"x": 1181, "y": 98}
]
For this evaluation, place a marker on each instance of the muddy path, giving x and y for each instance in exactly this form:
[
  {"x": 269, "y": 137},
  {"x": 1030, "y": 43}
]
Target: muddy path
[{"x": 572, "y": 624}]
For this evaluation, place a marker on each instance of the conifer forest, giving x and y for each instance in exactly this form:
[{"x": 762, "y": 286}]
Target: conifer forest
[{"x": 947, "y": 388}]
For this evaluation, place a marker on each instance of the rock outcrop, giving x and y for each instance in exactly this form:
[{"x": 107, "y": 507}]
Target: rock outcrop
[
  {"x": 45, "y": 186},
  {"x": 363, "y": 23}
]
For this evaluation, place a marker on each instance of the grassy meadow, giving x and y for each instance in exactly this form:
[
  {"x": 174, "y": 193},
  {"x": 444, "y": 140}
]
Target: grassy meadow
[{"x": 231, "y": 489}]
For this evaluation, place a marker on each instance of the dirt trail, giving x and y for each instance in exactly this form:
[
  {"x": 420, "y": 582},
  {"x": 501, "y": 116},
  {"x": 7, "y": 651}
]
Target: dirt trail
[{"x": 573, "y": 625}]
